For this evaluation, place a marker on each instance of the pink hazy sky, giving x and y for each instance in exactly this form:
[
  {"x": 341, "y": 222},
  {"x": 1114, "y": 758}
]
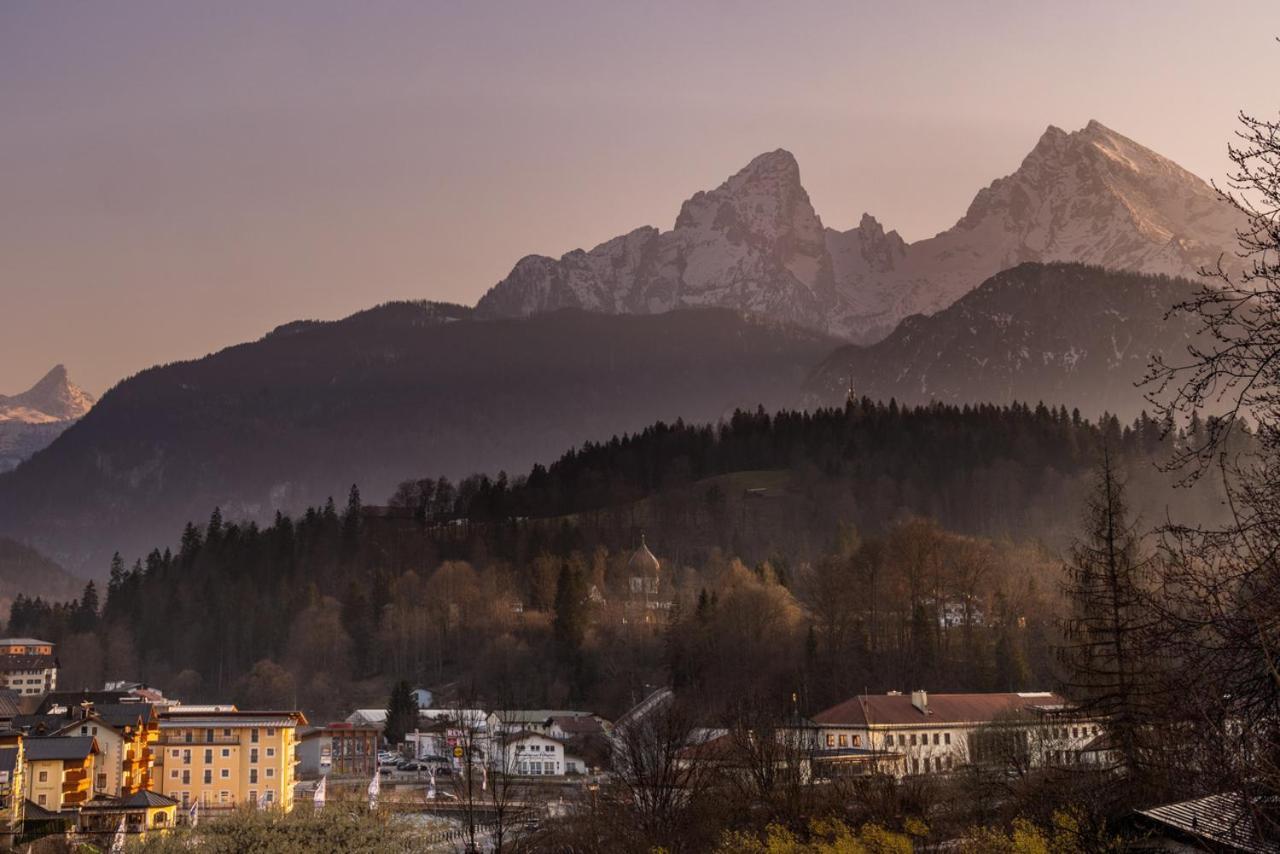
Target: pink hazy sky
[{"x": 177, "y": 177}]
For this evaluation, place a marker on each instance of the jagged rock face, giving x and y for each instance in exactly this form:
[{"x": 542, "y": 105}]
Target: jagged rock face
[
  {"x": 1092, "y": 196},
  {"x": 31, "y": 420},
  {"x": 756, "y": 244},
  {"x": 753, "y": 244},
  {"x": 53, "y": 398}
]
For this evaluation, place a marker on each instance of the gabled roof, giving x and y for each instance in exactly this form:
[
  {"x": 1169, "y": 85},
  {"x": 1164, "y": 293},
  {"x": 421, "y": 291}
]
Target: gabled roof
[
  {"x": 64, "y": 747},
  {"x": 579, "y": 724},
  {"x": 533, "y": 716},
  {"x": 36, "y": 725},
  {"x": 146, "y": 798},
  {"x": 943, "y": 709},
  {"x": 75, "y": 699},
  {"x": 10, "y": 702},
  {"x": 1223, "y": 820},
  {"x": 119, "y": 715}
]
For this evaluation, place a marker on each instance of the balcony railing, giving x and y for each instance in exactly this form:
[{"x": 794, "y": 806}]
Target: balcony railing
[{"x": 181, "y": 741}]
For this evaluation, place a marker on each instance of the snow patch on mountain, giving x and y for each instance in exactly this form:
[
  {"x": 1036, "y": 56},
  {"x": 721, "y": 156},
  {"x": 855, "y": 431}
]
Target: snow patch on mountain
[{"x": 756, "y": 244}]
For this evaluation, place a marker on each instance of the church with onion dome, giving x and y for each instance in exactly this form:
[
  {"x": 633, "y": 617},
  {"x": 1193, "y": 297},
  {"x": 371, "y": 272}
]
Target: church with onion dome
[{"x": 649, "y": 594}]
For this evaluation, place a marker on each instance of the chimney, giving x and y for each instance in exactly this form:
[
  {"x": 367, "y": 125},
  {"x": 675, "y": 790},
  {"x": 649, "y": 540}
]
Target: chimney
[{"x": 920, "y": 699}]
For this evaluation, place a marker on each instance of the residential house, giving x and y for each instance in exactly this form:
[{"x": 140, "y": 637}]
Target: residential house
[
  {"x": 536, "y": 755},
  {"x": 59, "y": 771},
  {"x": 28, "y": 666},
  {"x": 919, "y": 733},
  {"x": 126, "y": 733},
  {"x": 227, "y": 759},
  {"x": 144, "y": 813},
  {"x": 566, "y": 727}
]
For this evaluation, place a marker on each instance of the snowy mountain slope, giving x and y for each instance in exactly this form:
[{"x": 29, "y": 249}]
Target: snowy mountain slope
[
  {"x": 756, "y": 244},
  {"x": 31, "y": 420},
  {"x": 752, "y": 244}
]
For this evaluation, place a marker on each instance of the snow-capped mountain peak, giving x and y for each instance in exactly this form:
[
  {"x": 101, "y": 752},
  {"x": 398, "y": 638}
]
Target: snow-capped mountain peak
[
  {"x": 755, "y": 242},
  {"x": 53, "y": 398}
]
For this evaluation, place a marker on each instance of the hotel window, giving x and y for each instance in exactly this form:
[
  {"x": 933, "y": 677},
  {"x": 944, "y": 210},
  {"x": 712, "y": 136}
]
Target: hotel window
[
  {"x": 946, "y": 738},
  {"x": 253, "y": 736},
  {"x": 226, "y": 752},
  {"x": 44, "y": 775},
  {"x": 271, "y": 751},
  {"x": 174, "y": 753},
  {"x": 186, "y": 757},
  {"x": 253, "y": 796},
  {"x": 186, "y": 735},
  {"x": 42, "y": 800},
  {"x": 226, "y": 773},
  {"x": 844, "y": 740},
  {"x": 186, "y": 778},
  {"x": 253, "y": 776},
  {"x": 271, "y": 733},
  {"x": 831, "y": 740},
  {"x": 173, "y": 774},
  {"x": 1075, "y": 732},
  {"x": 208, "y": 756},
  {"x": 271, "y": 772},
  {"x": 913, "y": 739},
  {"x": 857, "y": 741},
  {"x": 936, "y": 738},
  {"x": 253, "y": 754},
  {"x": 208, "y": 776},
  {"x": 227, "y": 732},
  {"x": 208, "y": 735}
]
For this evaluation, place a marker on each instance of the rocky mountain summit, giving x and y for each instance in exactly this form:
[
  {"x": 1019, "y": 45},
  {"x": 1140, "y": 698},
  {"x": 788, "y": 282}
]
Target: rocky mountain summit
[
  {"x": 53, "y": 398},
  {"x": 31, "y": 420},
  {"x": 755, "y": 242}
]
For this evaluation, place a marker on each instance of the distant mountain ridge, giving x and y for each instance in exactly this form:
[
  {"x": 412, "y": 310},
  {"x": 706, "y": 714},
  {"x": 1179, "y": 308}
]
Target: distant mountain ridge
[
  {"x": 31, "y": 420},
  {"x": 1060, "y": 333},
  {"x": 755, "y": 243},
  {"x": 401, "y": 390}
]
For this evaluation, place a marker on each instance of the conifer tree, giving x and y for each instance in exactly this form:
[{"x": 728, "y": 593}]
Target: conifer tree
[
  {"x": 402, "y": 713},
  {"x": 1103, "y": 648}
]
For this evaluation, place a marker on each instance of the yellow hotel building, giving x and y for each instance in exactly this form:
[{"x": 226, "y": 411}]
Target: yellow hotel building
[{"x": 225, "y": 759}]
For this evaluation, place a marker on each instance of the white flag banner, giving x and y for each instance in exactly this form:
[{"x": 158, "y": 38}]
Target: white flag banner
[
  {"x": 375, "y": 786},
  {"x": 117, "y": 844},
  {"x": 431, "y": 785},
  {"x": 193, "y": 814},
  {"x": 320, "y": 794}
]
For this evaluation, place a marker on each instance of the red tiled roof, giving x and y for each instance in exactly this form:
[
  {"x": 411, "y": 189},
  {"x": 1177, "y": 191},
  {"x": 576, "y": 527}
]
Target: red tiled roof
[{"x": 896, "y": 709}]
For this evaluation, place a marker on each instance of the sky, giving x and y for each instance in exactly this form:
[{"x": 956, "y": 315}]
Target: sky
[{"x": 180, "y": 177}]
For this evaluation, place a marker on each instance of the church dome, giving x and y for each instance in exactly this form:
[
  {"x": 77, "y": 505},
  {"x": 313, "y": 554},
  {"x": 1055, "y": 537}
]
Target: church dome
[{"x": 643, "y": 563}]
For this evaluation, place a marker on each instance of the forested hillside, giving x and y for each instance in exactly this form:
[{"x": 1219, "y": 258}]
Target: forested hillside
[
  {"x": 889, "y": 517},
  {"x": 283, "y": 422}
]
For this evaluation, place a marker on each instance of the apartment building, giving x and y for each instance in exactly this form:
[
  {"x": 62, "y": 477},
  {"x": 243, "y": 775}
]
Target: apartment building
[
  {"x": 919, "y": 733},
  {"x": 224, "y": 759},
  {"x": 28, "y": 666}
]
